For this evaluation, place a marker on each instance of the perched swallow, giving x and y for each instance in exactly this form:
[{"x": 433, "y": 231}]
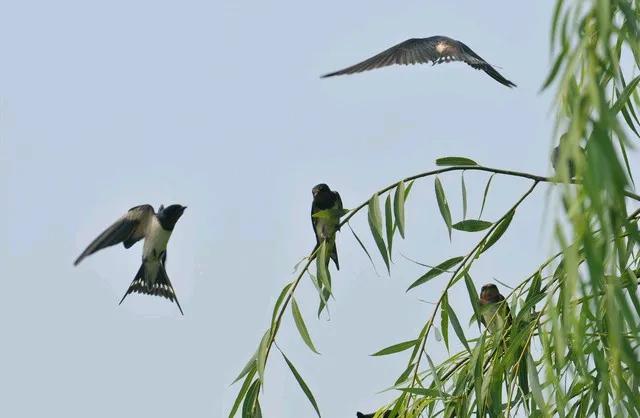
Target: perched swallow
[
  {"x": 386, "y": 414},
  {"x": 435, "y": 49},
  {"x": 325, "y": 227},
  {"x": 570, "y": 161},
  {"x": 495, "y": 313},
  {"x": 156, "y": 228}
]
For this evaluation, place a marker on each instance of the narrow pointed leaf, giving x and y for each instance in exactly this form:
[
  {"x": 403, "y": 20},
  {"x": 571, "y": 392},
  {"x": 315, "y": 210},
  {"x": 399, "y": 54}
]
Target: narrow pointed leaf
[
  {"x": 497, "y": 233},
  {"x": 534, "y": 383},
  {"x": 390, "y": 226},
  {"x": 455, "y": 161},
  {"x": 473, "y": 297},
  {"x": 398, "y": 206},
  {"x": 443, "y": 205},
  {"x": 262, "y": 354},
  {"x": 436, "y": 271},
  {"x": 283, "y": 293},
  {"x": 242, "y": 393},
  {"x": 444, "y": 320},
  {"x": 457, "y": 328},
  {"x": 363, "y": 247},
  {"x": 472, "y": 225},
  {"x": 251, "y": 365},
  {"x": 626, "y": 93},
  {"x": 250, "y": 400},
  {"x": 302, "y": 328},
  {"x": 303, "y": 385},
  {"x": 464, "y": 197},
  {"x": 322, "y": 263},
  {"x": 396, "y": 348},
  {"x": 484, "y": 195},
  {"x": 375, "y": 224},
  {"x": 434, "y": 374},
  {"x": 407, "y": 190},
  {"x": 422, "y": 392}
]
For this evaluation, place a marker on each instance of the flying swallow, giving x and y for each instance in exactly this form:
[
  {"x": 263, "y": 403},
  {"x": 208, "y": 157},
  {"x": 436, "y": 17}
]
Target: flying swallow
[
  {"x": 495, "y": 313},
  {"x": 435, "y": 49},
  {"x": 325, "y": 227},
  {"x": 156, "y": 228}
]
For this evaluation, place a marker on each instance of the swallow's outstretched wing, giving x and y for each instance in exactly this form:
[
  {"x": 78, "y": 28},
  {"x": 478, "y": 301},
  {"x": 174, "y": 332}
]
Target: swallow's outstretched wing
[
  {"x": 435, "y": 50},
  {"x": 129, "y": 229}
]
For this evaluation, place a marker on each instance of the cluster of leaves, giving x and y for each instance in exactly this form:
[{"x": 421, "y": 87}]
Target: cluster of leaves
[{"x": 580, "y": 307}]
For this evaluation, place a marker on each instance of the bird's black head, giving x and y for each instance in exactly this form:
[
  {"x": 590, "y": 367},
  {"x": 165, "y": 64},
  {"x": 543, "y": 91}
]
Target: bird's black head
[
  {"x": 169, "y": 216},
  {"x": 489, "y": 292},
  {"x": 320, "y": 189}
]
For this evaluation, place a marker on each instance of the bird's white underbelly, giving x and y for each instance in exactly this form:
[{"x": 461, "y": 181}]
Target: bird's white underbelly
[{"x": 155, "y": 242}]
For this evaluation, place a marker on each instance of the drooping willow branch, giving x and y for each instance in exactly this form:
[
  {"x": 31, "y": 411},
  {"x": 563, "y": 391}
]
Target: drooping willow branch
[
  {"x": 454, "y": 277},
  {"x": 283, "y": 302}
]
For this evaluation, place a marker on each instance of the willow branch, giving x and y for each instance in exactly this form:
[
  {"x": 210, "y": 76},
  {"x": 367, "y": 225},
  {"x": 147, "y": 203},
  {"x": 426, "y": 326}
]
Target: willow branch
[
  {"x": 455, "y": 274},
  {"x": 511, "y": 173}
]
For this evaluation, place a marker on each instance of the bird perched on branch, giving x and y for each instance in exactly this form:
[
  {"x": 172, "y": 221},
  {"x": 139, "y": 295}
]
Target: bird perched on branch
[
  {"x": 326, "y": 211},
  {"x": 156, "y": 228},
  {"x": 569, "y": 160},
  {"x": 434, "y": 50},
  {"x": 494, "y": 311}
]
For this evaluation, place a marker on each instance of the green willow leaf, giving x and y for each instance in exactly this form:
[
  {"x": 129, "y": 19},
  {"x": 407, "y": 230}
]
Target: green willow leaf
[
  {"x": 302, "y": 384},
  {"x": 484, "y": 195},
  {"x": 302, "y": 328},
  {"x": 405, "y": 375},
  {"x": 434, "y": 374},
  {"x": 243, "y": 391},
  {"x": 455, "y": 161},
  {"x": 624, "y": 96},
  {"x": 363, "y": 247},
  {"x": 262, "y": 353},
  {"x": 398, "y": 207},
  {"x": 322, "y": 263},
  {"x": 375, "y": 224},
  {"x": 464, "y": 197},
  {"x": 251, "y": 400},
  {"x": 330, "y": 213},
  {"x": 557, "y": 64},
  {"x": 444, "y": 320},
  {"x": 472, "y": 225},
  {"x": 473, "y": 296},
  {"x": 283, "y": 293},
  {"x": 396, "y": 348},
  {"x": 251, "y": 365},
  {"x": 457, "y": 328},
  {"x": 534, "y": 383},
  {"x": 407, "y": 190},
  {"x": 436, "y": 271},
  {"x": 497, "y": 233},
  {"x": 390, "y": 226},
  {"x": 422, "y": 392},
  {"x": 443, "y": 205}
]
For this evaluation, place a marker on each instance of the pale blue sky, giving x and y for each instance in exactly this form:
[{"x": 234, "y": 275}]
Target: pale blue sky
[{"x": 219, "y": 106}]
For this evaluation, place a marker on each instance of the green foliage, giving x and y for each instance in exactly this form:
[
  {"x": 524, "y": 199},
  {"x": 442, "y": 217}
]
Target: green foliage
[{"x": 580, "y": 308}]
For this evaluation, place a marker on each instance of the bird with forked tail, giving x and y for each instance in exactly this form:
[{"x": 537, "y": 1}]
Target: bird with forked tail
[
  {"x": 434, "y": 50},
  {"x": 156, "y": 228}
]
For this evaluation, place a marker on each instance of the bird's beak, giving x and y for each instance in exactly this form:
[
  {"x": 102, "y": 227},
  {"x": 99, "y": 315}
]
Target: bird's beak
[{"x": 184, "y": 207}]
